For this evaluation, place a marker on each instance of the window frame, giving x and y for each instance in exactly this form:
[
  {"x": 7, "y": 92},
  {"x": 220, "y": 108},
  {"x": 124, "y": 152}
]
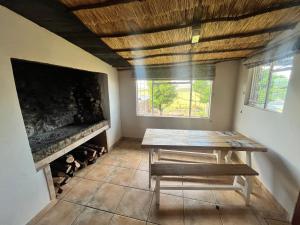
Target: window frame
[
  {"x": 270, "y": 76},
  {"x": 190, "y": 81}
]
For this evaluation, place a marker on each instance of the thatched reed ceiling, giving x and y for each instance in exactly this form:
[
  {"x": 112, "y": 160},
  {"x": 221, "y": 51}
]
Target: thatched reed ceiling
[{"x": 153, "y": 32}]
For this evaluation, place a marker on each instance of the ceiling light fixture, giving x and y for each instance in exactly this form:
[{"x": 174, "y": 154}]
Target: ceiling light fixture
[{"x": 195, "y": 35}]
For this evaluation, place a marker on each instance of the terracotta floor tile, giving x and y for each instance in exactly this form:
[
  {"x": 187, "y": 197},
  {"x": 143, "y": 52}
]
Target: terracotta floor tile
[
  {"x": 170, "y": 210},
  {"x": 122, "y": 220},
  {"x": 84, "y": 171},
  {"x": 135, "y": 203},
  {"x": 130, "y": 162},
  {"x": 201, "y": 195},
  {"x": 144, "y": 165},
  {"x": 169, "y": 181},
  {"x": 100, "y": 172},
  {"x": 107, "y": 197},
  {"x": 82, "y": 192},
  {"x": 139, "y": 203},
  {"x": 276, "y": 222},
  {"x": 109, "y": 159},
  {"x": 235, "y": 215},
  {"x": 121, "y": 176},
  {"x": 63, "y": 213},
  {"x": 266, "y": 207},
  {"x": 68, "y": 186},
  {"x": 93, "y": 217},
  {"x": 229, "y": 198},
  {"x": 198, "y": 213},
  {"x": 140, "y": 180}
]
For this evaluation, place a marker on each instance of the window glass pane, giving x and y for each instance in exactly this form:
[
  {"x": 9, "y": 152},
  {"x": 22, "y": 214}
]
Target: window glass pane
[
  {"x": 180, "y": 98},
  {"x": 171, "y": 98},
  {"x": 277, "y": 90},
  {"x": 201, "y": 96},
  {"x": 259, "y": 86},
  {"x": 144, "y": 106},
  {"x": 270, "y": 83}
]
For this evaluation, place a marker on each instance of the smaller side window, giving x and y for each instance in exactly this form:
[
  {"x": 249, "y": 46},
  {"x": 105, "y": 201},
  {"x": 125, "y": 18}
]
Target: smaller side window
[{"x": 269, "y": 84}]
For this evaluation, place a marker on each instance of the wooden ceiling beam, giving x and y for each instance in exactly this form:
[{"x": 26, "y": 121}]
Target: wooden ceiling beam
[
  {"x": 275, "y": 7},
  {"x": 195, "y": 53},
  {"x": 102, "y": 4},
  {"x": 214, "y": 38}
]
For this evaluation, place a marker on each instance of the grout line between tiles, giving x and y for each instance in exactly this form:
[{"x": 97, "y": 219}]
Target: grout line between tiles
[
  {"x": 102, "y": 210},
  {"x": 149, "y": 212}
]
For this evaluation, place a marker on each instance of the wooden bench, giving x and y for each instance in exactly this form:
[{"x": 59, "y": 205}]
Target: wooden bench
[{"x": 159, "y": 170}]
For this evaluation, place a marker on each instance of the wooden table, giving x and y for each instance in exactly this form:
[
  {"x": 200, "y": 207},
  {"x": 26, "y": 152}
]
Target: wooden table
[{"x": 199, "y": 141}]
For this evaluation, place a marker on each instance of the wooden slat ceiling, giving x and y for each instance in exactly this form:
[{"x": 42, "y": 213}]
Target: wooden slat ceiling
[{"x": 155, "y": 32}]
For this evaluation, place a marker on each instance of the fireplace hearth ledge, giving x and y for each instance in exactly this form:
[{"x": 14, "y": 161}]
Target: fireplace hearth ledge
[{"x": 43, "y": 155}]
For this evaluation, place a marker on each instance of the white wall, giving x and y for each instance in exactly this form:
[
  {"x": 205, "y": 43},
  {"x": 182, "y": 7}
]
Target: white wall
[
  {"x": 23, "y": 191},
  {"x": 280, "y": 168},
  {"x": 221, "y": 110}
]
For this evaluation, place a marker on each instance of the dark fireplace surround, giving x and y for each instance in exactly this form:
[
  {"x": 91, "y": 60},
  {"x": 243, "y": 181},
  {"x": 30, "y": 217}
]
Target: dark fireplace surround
[{"x": 59, "y": 105}]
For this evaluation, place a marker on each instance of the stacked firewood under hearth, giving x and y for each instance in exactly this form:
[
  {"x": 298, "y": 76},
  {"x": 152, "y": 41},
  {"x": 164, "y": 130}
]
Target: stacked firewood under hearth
[{"x": 66, "y": 166}]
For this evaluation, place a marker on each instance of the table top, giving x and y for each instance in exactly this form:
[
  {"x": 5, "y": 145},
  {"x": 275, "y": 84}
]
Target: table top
[{"x": 199, "y": 140}]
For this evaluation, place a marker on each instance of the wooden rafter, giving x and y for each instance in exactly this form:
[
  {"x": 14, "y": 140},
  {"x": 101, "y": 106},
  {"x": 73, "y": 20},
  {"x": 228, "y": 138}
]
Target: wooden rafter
[
  {"x": 102, "y": 4},
  {"x": 194, "y": 53},
  {"x": 275, "y": 7},
  {"x": 214, "y": 38}
]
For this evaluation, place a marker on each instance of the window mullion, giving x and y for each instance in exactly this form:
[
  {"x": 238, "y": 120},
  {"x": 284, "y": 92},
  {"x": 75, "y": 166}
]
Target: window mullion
[
  {"x": 191, "y": 96},
  {"x": 152, "y": 84},
  {"x": 268, "y": 86}
]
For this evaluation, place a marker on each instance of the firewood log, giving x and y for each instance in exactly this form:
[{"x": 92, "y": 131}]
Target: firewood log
[
  {"x": 57, "y": 166},
  {"x": 80, "y": 155},
  {"x": 91, "y": 153},
  {"x": 100, "y": 150},
  {"x": 69, "y": 158},
  {"x": 75, "y": 165}
]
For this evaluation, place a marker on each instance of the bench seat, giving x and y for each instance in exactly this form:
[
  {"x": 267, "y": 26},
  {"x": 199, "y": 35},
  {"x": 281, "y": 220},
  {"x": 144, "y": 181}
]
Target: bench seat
[
  {"x": 160, "y": 169},
  {"x": 186, "y": 169}
]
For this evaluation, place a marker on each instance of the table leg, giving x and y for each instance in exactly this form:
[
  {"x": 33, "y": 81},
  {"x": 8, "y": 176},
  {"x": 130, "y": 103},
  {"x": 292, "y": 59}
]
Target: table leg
[
  {"x": 248, "y": 181},
  {"x": 157, "y": 190},
  {"x": 158, "y": 154},
  {"x": 228, "y": 159},
  {"x": 248, "y": 189},
  {"x": 219, "y": 157},
  {"x": 248, "y": 158},
  {"x": 150, "y": 162}
]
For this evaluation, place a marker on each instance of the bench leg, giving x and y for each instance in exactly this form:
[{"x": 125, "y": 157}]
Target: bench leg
[
  {"x": 219, "y": 157},
  {"x": 228, "y": 158},
  {"x": 150, "y": 162},
  {"x": 248, "y": 189},
  {"x": 157, "y": 190},
  {"x": 158, "y": 154},
  {"x": 235, "y": 181}
]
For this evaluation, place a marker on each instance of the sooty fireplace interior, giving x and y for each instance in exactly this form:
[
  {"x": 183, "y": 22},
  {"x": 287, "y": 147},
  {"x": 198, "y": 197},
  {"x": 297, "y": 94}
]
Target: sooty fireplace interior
[{"x": 59, "y": 105}]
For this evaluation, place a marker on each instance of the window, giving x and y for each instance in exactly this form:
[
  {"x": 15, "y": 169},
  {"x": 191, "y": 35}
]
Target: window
[
  {"x": 178, "y": 98},
  {"x": 269, "y": 84}
]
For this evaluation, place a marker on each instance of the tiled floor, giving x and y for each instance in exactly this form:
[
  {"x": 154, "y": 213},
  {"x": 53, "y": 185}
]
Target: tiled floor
[{"x": 114, "y": 191}]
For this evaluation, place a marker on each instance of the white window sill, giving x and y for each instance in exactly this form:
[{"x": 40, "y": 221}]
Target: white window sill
[
  {"x": 263, "y": 109},
  {"x": 177, "y": 117}
]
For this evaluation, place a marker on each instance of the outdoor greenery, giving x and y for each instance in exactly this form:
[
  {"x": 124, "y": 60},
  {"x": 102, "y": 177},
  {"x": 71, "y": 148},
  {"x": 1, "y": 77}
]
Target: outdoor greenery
[
  {"x": 163, "y": 95},
  {"x": 174, "y": 98},
  {"x": 203, "y": 88}
]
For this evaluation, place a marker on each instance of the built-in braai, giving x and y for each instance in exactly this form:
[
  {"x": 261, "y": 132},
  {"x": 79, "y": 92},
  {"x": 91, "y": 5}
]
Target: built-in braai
[{"x": 59, "y": 105}]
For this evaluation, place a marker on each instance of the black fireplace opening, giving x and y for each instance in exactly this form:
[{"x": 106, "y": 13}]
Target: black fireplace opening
[{"x": 59, "y": 105}]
